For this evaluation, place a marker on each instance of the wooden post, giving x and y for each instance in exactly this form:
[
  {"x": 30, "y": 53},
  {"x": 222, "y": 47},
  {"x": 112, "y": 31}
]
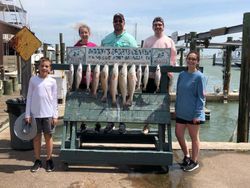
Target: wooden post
[
  {"x": 57, "y": 53},
  {"x": 2, "y": 71},
  {"x": 19, "y": 69},
  {"x": 224, "y": 58},
  {"x": 62, "y": 52},
  {"x": 25, "y": 76},
  {"x": 60, "y": 38},
  {"x": 244, "y": 95},
  {"x": 227, "y": 71},
  {"x": 62, "y": 48},
  {"x": 214, "y": 59},
  {"x": 142, "y": 43},
  {"x": 45, "y": 50},
  {"x": 181, "y": 57},
  {"x": 193, "y": 41}
]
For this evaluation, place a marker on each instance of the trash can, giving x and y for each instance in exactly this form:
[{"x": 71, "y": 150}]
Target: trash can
[{"x": 15, "y": 107}]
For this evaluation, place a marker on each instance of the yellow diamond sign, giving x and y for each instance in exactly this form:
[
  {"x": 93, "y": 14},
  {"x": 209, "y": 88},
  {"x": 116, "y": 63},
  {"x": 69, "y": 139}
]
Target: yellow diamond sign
[{"x": 25, "y": 43}]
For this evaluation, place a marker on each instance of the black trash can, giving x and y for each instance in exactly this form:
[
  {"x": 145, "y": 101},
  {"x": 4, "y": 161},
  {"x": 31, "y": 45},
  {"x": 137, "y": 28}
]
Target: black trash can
[{"x": 15, "y": 107}]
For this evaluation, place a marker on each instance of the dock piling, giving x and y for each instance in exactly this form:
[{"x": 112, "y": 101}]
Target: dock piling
[{"x": 244, "y": 95}]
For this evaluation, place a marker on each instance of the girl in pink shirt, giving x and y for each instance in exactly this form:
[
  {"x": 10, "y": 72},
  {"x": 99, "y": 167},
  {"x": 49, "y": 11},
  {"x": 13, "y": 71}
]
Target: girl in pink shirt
[{"x": 84, "y": 33}]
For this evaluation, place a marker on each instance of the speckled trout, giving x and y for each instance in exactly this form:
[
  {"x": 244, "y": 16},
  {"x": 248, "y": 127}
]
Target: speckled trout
[
  {"x": 104, "y": 82},
  {"x": 96, "y": 78},
  {"x": 78, "y": 75},
  {"x": 131, "y": 84},
  {"x": 114, "y": 83},
  {"x": 123, "y": 83}
]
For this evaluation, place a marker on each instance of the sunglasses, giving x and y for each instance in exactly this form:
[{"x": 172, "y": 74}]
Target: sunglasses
[
  {"x": 118, "y": 21},
  {"x": 192, "y": 59},
  {"x": 158, "y": 25}
]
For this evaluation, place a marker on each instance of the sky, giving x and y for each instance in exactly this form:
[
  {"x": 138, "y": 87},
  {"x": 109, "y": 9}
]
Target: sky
[{"x": 48, "y": 18}]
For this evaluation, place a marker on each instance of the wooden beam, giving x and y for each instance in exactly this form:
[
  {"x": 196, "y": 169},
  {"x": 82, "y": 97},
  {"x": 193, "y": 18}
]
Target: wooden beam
[
  {"x": 244, "y": 95},
  {"x": 214, "y": 32}
]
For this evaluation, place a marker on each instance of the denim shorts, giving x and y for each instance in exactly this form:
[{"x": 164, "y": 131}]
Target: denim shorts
[
  {"x": 183, "y": 121},
  {"x": 45, "y": 125}
]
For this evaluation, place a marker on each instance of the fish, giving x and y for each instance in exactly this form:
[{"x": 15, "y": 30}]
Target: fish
[
  {"x": 88, "y": 76},
  {"x": 139, "y": 76},
  {"x": 78, "y": 75},
  {"x": 104, "y": 82},
  {"x": 114, "y": 83},
  {"x": 122, "y": 79},
  {"x": 70, "y": 76},
  {"x": 96, "y": 78},
  {"x": 131, "y": 84},
  {"x": 145, "y": 77},
  {"x": 157, "y": 78}
]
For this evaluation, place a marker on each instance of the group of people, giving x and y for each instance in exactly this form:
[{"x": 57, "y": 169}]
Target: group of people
[{"x": 190, "y": 94}]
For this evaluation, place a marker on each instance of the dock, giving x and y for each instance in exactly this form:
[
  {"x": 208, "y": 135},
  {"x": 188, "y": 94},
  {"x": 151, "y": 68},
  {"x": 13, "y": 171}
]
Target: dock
[
  {"x": 214, "y": 97},
  {"x": 214, "y": 159}
]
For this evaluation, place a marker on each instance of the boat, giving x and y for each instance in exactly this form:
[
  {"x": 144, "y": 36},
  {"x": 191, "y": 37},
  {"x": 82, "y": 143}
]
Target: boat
[
  {"x": 238, "y": 63},
  {"x": 51, "y": 53},
  {"x": 235, "y": 58},
  {"x": 13, "y": 17}
]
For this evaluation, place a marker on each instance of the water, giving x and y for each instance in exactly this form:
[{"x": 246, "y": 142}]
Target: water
[
  {"x": 214, "y": 76},
  {"x": 220, "y": 127},
  {"x": 223, "y": 117}
]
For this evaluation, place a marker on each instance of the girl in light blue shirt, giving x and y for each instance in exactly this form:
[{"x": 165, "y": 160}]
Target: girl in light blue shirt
[{"x": 189, "y": 107}]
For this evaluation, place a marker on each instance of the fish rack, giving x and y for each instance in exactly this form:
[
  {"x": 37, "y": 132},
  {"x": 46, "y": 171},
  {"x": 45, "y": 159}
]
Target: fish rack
[
  {"x": 133, "y": 147},
  {"x": 105, "y": 149}
]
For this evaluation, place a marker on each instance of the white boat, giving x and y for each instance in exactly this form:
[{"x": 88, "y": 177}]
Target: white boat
[
  {"x": 12, "y": 14},
  {"x": 236, "y": 57},
  {"x": 39, "y": 53},
  {"x": 238, "y": 64}
]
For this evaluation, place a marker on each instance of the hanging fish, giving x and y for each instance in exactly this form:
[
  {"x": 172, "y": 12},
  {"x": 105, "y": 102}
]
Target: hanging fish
[
  {"x": 104, "y": 82},
  {"x": 114, "y": 83},
  {"x": 78, "y": 75},
  {"x": 139, "y": 76},
  {"x": 96, "y": 78},
  {"x": 157, "y": 78},
  {"x": 123, "y": 83},
  {"x": 88, "y": 76},
  {"x": 70, "y": 76},
  {"x": 145, "y": 77},
  {"x": 131, "y": 84}
]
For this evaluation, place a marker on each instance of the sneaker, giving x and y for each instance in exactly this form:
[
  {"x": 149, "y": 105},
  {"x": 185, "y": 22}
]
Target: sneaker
[
  {"x": 145, "y": 129},
  {"x": 191, "y": 166},
  {"x": 186, "y": 160},
  {"x": 109, "y": 128},
  {"x": 97, "y": 127},
  {"x": 122, "y": 128},
  {"x": 83, "y": 127},
  {"x": 37, "y": 165},
  {"x": 50, "y": 165}
]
